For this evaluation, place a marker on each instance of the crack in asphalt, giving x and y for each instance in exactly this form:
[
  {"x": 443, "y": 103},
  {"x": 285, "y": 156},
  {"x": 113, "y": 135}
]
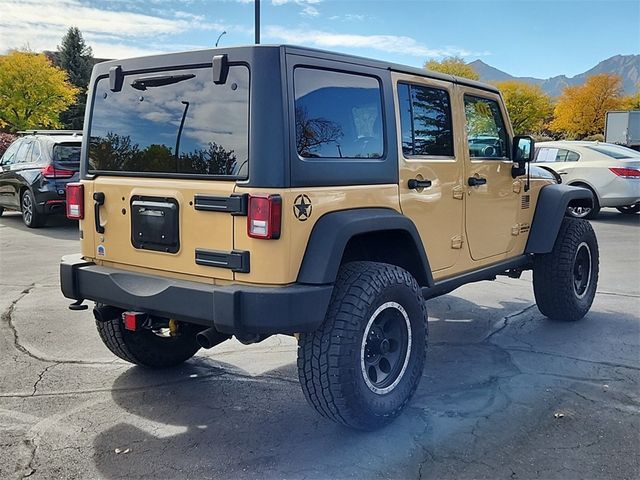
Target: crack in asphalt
[
  {"x": 568, "y": 357},
  {"x": 40, "y": 377},
  {"x": 7, "y": 316},
  {"x": 221, "y": 375},
  {"x": 31, "y": 445}
]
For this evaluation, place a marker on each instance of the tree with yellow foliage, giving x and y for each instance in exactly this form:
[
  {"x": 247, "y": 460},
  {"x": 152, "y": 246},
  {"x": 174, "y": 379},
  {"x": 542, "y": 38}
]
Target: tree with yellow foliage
[
  {"x": 32, "y": 91},
  {"x": 453, "y": 66},
  {"x": 528, "y": 106},
  {"x": 581, "y": 110},
  {"x": 632, "y": 102}
]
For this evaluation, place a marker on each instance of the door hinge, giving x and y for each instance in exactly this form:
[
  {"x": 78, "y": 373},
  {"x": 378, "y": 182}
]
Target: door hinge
[
  {"x": 458, "y": 192},
  {"x": 515, "y": 230},
  {"x": 456, "y": 242}
]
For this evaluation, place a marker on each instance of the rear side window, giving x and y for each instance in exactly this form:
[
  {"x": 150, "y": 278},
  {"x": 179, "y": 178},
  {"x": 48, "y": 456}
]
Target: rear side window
[
  {"x": 425, "y": 117},
  {"x": 615, "y": 151},
  {"x": 338, "y": 115},
  {"x": 24, "y": 152},
  {"x": 486, "y": 132},
  {"x": 172, "y": 122}
]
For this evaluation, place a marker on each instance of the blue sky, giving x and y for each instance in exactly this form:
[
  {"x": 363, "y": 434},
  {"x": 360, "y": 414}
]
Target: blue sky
[{"x": 525, "y": 38}]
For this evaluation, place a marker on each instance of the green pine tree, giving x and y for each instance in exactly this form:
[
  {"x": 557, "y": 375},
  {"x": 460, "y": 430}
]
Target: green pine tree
[{"x": 76, "y": 58}]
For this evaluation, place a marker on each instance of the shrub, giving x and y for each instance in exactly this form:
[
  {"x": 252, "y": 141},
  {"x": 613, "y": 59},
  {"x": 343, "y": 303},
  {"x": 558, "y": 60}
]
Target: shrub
[{"x": 6, "y": 139}]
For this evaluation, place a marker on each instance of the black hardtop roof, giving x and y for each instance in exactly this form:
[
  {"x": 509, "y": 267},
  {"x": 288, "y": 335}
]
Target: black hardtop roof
[{"x": 206, "y": 55}]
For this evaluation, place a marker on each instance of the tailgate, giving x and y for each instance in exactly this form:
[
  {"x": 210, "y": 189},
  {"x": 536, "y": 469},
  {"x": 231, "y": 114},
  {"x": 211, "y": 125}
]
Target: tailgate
[{"x": 153, "y": 223}]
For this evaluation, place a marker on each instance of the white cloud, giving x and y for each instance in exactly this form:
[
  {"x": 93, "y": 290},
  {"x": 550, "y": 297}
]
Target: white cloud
[
  {"x": 41, "y": 24},
  {"x": 384, "y": 43},
  {"x": 298, "y": 2},
  {"x": 309, "y": 11}
]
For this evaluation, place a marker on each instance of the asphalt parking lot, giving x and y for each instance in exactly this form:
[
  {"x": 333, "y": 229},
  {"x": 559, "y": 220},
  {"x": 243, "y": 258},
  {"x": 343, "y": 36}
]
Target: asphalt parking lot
[{"x": 505, "y": 393}]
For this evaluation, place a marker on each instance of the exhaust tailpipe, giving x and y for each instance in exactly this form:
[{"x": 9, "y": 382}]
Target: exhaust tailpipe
[
  {"x": 211, "y": 337},
  {"x": 106, "y": 313}
]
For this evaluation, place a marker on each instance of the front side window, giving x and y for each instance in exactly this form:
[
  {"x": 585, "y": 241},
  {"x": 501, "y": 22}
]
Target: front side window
[
  {"x": 548, "y": 155},
  {"x": 173, "y": 122},
  {"x": 9, "y": 156},
  {"x": 486, "y": 132},
  {"x": 425, "y": 118},
  {"x": 338, "y": 115}
]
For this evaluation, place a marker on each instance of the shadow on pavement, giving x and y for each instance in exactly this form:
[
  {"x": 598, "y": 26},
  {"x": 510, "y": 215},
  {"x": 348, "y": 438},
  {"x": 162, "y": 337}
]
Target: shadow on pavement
[
  {"x": 613, "y": 217},
  {"x": 231, "y": 425}
]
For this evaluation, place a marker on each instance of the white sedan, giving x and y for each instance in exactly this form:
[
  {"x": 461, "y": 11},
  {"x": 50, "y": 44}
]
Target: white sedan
[{"x": 611, "y": 172}]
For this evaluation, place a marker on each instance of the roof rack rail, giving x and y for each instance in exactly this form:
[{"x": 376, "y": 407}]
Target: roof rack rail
[{"x": 50, "y": 132}]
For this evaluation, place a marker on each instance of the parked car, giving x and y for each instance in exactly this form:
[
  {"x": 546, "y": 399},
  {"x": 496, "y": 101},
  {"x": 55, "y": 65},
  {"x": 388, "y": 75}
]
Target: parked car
[
  {"x": 34, "y": 172},
  {"x": 611, "y": 172},
  {"x": 326, "y": 198}
]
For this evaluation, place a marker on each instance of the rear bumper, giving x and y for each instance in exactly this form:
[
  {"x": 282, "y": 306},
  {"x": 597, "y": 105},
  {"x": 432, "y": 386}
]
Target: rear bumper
[{"x": 230, "y": 309}]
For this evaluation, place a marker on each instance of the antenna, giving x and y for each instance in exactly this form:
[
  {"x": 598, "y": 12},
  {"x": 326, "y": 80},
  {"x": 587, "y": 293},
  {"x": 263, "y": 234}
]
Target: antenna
[{"x": 257, "y": 21}]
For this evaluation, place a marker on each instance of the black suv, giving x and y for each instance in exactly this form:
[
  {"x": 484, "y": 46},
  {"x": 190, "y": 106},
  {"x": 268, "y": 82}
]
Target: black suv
[{"x": 34, "y": 172}]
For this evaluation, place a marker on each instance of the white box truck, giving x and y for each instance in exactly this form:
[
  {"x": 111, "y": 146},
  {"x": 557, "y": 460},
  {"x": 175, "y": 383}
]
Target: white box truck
[{"x": 623, "y": 128}]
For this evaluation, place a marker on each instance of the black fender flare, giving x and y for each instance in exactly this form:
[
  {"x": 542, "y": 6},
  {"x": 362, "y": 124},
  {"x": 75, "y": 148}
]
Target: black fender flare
[
  {"x": 332, "y": 232},
  {"x": 550, "y": 210}
]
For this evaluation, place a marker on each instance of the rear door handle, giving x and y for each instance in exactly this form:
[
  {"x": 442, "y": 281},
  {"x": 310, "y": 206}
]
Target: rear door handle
[
  {"x": 98, "y": 201},
  {"x": 414, "y": 183},
  {"x": 476, "y": 181}
]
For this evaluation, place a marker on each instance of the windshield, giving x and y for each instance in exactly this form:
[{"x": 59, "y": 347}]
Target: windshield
[
  {"x": 176, "y": 122},
  {"x": 67, "y": 155},
  {"x": 615, "y": 151}
]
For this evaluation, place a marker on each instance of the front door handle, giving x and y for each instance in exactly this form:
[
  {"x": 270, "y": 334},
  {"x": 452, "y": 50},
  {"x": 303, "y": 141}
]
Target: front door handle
[
  {"x": 562, "y": 173},
  {"x": 414, "y": 183},
  {"x": 476, "y": 181},
  {"x": 98, "y": 200}
]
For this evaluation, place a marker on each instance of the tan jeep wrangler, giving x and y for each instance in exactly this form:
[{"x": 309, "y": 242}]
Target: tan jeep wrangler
[{"x": 265, "y": 190}]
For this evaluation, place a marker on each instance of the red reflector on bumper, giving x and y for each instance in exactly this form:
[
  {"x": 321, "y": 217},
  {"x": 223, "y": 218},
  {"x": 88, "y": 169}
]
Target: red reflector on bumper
[{"x": 132, "y": 320}]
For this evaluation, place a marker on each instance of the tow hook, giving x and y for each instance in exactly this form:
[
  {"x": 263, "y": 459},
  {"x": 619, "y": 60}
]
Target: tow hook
[{"x": 78, "y": 305}]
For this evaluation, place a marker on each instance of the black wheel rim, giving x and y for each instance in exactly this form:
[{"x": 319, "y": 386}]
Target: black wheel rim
[
  {"x": 27, "y": 208},
  {"x": 386, "y": 347},
  {"x": 582, "y": 270}
]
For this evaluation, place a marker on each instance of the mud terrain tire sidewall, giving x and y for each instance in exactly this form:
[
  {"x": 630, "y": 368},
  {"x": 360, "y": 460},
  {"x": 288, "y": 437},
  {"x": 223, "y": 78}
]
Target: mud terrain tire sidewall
[
  {"x": 330, "y": 359},
  {"x": 553, "y": 273}
]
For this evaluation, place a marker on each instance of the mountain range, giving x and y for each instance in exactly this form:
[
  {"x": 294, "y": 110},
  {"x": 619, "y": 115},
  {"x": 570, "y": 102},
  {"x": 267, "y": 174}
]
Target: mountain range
[{"x": 626, "y": 66}]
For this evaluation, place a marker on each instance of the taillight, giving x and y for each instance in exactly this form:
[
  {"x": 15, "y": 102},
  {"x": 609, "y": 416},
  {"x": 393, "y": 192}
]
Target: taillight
[
  {"x": 75, "y": 201},
  {"x": 626, "y": 172},
  {"x": 52, "y": 172},
  {"x": 265, "y": 213}
]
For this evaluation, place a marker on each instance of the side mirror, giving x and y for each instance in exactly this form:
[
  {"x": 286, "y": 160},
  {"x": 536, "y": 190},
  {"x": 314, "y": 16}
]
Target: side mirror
[{"x": 523, "y": 148}]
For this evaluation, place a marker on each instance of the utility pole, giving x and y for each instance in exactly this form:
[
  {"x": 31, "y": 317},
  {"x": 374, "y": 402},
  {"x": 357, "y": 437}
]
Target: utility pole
[{"x": 257, "y": 21}]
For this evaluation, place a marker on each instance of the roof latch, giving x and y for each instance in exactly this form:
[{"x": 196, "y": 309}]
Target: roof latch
[
  {"x": 116, "y": 78},
  {"x": 220, "y": 67}
]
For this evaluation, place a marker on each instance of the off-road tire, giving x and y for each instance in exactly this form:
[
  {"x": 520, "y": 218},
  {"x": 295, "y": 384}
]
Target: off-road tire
[
  {"x": 147, "y": 349},
  {"x": 30, "y": 215},
  {"x": 579, "y": 213},
  {"x": 331, "y": 364},
  {"x": 629, "y": 209},
  {"x": 560, "y": 291}
]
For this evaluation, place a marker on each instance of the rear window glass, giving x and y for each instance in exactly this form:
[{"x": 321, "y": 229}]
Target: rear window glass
[
  {"x": 615, "y": 151},
  {"x": 67, "y": 155},
  {"x": 338, "y": 115},
  {"x": 175, "y": 122}
]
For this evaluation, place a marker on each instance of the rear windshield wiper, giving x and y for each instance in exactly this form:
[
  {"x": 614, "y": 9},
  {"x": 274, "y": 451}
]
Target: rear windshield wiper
[{"x": 145, "y": 82}]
